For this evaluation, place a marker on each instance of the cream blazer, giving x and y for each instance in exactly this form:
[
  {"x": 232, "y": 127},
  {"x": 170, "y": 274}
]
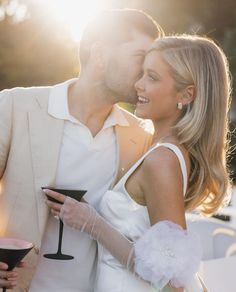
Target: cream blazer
[{"x": 30, "y": 142}]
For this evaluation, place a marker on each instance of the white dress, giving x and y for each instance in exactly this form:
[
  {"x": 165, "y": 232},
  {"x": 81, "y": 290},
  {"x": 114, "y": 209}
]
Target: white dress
[{"x": 131, "y": 219}]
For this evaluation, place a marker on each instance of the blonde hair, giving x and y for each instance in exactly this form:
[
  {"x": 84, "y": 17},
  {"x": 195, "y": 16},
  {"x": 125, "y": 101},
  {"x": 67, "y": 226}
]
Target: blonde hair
[{"x": 203, "y": 125}]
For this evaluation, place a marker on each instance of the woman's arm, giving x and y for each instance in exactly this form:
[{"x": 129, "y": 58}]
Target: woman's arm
[{"x": 162, "y": 185}]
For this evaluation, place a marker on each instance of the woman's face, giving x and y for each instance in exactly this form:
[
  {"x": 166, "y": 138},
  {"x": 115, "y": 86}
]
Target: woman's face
[{"x": 157, "y": 93}]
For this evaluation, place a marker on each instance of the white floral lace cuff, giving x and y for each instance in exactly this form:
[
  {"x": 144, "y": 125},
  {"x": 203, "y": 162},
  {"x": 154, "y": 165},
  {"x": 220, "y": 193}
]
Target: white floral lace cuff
[{"x": 167, "y": 253}]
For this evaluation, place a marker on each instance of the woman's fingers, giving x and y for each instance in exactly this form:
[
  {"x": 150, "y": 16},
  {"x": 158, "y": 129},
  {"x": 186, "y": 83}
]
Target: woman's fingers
[
  {"x": 57, "y": 196},
  {"x": 54, "y": 206},
  {"x": 55, "y": 213}
]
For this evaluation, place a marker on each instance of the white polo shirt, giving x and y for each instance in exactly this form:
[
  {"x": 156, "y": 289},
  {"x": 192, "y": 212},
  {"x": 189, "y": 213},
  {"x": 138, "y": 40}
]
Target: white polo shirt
[{"x": 85, "y": 162}]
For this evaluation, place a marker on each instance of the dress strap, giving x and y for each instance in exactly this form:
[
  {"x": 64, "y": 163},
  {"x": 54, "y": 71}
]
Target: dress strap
[
  {"x": 182, "y": 163},
  {"x": 172, "y": 147}
]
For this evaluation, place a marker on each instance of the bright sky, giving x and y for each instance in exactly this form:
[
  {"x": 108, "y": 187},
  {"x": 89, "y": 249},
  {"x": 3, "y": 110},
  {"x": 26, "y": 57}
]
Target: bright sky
[{"x": 75, "y": 13}]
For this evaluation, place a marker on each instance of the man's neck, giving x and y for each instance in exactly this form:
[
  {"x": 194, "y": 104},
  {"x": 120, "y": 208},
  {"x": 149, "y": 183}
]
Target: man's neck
[{"x": 89, "y": 104}]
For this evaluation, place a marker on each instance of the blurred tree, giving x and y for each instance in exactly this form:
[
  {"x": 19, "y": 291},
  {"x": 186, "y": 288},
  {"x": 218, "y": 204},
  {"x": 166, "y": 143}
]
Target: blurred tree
[{"x": 34, "y": 51}]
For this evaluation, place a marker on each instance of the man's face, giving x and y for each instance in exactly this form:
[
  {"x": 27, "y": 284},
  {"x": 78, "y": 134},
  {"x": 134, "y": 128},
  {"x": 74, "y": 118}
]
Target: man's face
[{"x": 124, "y": 67}]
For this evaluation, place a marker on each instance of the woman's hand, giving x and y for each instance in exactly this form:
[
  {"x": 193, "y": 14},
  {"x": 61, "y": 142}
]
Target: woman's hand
[
  {"x": 78, "y": 215},
  {"x": 54, "y": 207},
  {"x": 85, "y": 218}
]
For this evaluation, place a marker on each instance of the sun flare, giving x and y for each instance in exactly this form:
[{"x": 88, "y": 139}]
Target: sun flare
[{"x": 75, "y": 13}]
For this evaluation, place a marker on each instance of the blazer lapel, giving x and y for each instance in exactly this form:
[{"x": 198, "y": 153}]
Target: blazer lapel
[
  {"x": 128, "y": 150},
  {"x": 132, "y": 142},
  {"x": 45, "y": 137}
]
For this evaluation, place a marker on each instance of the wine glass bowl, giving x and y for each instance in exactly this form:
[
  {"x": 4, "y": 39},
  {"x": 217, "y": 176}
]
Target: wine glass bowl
[
  {"x": 75, "y": 194},
  {"x": 12, "y": 251}
]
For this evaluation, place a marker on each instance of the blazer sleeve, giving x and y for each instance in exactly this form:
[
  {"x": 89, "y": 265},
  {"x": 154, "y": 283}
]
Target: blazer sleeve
[{"x": 5, "y": 128}]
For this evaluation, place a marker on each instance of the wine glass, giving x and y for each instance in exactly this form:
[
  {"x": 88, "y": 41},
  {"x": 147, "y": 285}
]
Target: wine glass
[
  {"x": 75, "y": 194},
  {"x": 12, "y": 251}
]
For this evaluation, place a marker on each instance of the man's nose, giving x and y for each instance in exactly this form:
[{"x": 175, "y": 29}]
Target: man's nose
[{"x": 139, "y": 84}]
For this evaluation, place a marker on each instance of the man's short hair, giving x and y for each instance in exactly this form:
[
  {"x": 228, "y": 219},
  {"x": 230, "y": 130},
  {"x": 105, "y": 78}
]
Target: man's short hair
[{"x": 115, "y": 26}]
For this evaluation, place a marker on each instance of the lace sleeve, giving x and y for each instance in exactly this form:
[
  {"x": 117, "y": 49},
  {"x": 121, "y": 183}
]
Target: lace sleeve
[{"x": 167, "y": 253}]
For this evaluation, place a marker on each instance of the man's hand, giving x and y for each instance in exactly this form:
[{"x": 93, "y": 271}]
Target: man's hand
[{"x": 7, "y": 279}]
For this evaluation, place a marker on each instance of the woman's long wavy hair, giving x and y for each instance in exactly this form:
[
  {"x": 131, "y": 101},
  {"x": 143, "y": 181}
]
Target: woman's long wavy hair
[{"x": 203, "y": 125}]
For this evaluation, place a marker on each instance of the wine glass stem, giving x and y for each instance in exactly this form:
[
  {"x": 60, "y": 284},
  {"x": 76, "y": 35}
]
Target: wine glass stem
[{"x": 60, "y": 237}]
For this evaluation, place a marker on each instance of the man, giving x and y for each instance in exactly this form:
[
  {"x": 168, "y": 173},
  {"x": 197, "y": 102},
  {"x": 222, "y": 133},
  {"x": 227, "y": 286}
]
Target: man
[{"x": 72, "y": 135}]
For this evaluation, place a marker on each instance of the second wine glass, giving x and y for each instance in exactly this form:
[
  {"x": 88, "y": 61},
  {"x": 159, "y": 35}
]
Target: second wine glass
[{"x": 12, "y": 251}]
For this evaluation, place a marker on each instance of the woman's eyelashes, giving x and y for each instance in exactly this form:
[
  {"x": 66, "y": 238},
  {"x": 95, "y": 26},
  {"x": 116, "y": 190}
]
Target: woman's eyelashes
[
  {"x": 152, "y": 78},
  {"x": 152, "y": 75}
]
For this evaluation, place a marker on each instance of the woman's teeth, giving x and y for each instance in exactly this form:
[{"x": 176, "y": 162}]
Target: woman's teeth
[{"x": 142, "y": 99}]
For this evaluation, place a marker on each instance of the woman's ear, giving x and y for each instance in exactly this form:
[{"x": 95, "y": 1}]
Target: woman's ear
[{"x": 188, "y": 95}]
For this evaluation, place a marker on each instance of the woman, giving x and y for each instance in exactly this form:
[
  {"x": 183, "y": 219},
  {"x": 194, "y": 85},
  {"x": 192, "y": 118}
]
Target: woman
[{"x": 185, "y": 91}]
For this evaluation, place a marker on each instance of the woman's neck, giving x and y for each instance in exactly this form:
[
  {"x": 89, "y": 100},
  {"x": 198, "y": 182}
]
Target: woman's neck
[{"x": 164, "y": 133}]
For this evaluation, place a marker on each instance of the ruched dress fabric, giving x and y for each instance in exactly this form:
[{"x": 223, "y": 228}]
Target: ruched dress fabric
[{"x": 132, "y": 220}]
